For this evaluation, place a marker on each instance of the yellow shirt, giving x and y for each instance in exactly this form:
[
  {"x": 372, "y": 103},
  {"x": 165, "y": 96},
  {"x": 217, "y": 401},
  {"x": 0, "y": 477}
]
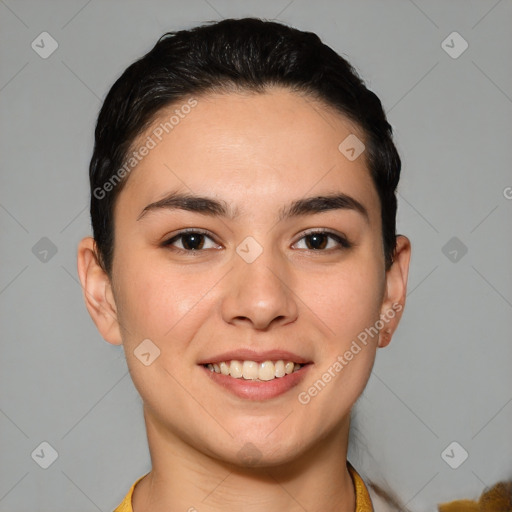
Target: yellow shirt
[{"x": 363, "y": 501}]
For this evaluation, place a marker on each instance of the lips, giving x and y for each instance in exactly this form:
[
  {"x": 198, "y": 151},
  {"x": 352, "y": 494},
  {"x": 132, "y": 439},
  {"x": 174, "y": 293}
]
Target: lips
[
  {"x": 256, "y": 389},
  {"x": 254, "y": 375}
]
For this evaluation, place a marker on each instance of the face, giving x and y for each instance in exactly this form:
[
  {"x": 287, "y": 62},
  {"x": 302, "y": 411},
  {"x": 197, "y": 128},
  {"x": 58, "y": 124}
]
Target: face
[{"x": 252, "y": 278}]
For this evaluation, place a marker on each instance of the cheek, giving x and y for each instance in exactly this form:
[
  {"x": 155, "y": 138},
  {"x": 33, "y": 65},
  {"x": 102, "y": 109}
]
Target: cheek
[
  {"x": 165, "y": 307},
  {"x": 348, "y": 300},
  {"x": 155, "y": 300},
  {"x": 348, "y": 303}
]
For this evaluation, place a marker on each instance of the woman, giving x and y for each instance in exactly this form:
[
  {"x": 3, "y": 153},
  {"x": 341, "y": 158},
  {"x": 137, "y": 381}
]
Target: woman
[{"x": 245, "y": 255}]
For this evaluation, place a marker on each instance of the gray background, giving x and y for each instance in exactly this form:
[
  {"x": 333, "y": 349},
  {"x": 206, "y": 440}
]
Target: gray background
[{"x": 447, "y": 374}]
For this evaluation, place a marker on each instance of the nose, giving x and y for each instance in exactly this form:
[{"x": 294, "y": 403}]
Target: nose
[{"x": 259, "y": 293}]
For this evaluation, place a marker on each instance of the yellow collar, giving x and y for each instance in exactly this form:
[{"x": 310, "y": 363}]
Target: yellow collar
[{"x": 363, "y": 501}]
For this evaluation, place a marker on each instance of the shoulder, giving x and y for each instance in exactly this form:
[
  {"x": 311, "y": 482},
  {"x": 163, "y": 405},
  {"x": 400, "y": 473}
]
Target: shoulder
[{"x": 126, "y": 504}]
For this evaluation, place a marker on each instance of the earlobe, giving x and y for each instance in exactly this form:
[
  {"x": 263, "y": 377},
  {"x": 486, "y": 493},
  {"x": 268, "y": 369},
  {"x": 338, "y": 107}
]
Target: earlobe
[
  {"x": 97, "y": 292},
  {"x": 396, "y": 290}
]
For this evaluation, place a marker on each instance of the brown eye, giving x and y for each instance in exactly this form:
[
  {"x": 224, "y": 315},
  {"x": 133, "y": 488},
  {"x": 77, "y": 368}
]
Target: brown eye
[
  {"x": 319, "y": 241},
  {"x": 190, "y": 241}
]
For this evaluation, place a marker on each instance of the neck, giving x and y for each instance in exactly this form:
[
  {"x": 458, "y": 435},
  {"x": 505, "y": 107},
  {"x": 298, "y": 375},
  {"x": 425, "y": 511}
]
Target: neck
[{"x": 185, "y": 478}]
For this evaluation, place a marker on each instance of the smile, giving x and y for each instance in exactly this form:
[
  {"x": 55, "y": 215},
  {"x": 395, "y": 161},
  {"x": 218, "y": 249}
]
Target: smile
[{"x": 251, "y": 370}]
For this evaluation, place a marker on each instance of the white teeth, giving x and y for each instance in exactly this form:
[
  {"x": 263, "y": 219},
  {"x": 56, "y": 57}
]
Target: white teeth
[
  {"x": 236, "y": 369},
  {"x": 251, "y": 370},
  {"x": 279, "y": 368},
  {"x": 224, "y": 368},
  {"x": 267, "y": 371}
]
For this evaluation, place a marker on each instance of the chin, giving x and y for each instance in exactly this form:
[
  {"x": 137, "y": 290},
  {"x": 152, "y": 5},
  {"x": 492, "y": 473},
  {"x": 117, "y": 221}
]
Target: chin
[{"x": 260, "y": 451}]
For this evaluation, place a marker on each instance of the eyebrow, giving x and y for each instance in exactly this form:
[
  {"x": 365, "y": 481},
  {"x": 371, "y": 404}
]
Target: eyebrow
[{"x": 219, "y": 208}]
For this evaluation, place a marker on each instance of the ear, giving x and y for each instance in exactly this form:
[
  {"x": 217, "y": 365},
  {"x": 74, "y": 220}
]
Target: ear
[
  {"x": 396, "y": 290},
  {"x": 97, "y": 292}
]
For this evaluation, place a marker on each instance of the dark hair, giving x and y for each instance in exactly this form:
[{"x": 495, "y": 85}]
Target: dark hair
[{"x": 242, "y": 55}]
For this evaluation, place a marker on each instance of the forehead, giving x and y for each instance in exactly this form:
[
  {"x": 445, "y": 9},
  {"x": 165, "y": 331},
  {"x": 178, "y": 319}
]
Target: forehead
[{"x": 259, "y": 145}]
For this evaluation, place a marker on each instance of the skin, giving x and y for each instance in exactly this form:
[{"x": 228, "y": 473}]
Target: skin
[{"x": 258, "y": 152}]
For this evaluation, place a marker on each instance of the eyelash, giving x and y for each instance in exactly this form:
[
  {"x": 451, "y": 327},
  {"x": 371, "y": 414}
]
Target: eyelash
[{"x": 342, "y": 241}]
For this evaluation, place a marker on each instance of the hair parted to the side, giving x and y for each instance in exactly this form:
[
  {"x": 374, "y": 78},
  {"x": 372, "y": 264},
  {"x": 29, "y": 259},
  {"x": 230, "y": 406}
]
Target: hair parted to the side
[{"x": 242, "y": 55}]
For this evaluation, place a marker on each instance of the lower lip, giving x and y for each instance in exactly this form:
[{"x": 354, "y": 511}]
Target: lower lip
[{"x": 258, "y": 390}]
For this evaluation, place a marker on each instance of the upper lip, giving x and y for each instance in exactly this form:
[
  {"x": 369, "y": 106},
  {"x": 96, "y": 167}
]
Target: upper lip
[{"x": 253, "y": 355}]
